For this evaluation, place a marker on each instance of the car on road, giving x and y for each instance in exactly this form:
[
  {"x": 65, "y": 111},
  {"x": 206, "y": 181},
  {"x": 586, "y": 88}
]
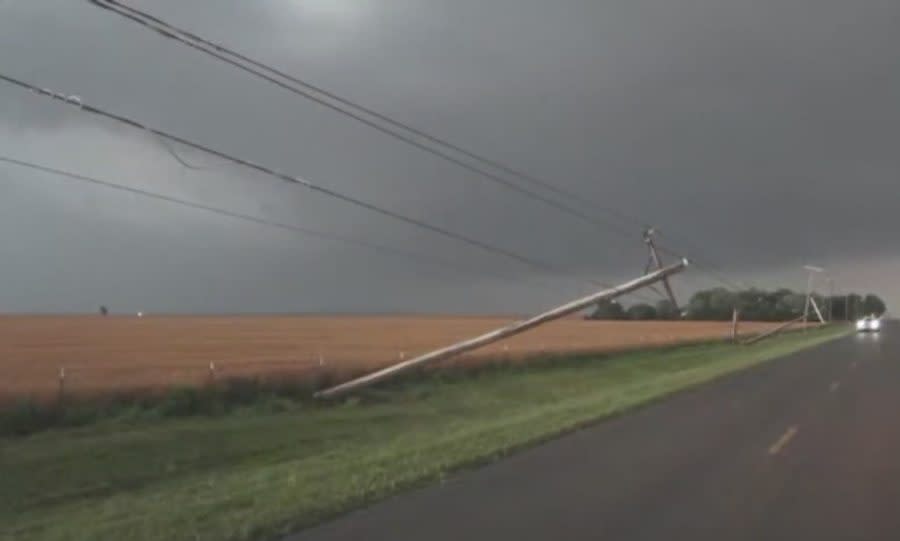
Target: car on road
[{"x": 868, "y": 324}]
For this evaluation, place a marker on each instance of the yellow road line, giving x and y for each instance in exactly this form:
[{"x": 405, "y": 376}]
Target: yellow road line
[
  {"x": 783, "y": 441},
  {"x": 834, "y": 386}
]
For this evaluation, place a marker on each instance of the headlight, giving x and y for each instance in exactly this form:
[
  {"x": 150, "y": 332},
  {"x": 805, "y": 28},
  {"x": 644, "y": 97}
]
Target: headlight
[
  {"x": 876, "y": 324},
  {"x": 860, "y": 325}
]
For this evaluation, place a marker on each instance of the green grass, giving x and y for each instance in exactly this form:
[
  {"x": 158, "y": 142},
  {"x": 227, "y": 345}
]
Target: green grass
[
  {"x": 257, "y": 473},
  {"x": 30, "y": 416}
]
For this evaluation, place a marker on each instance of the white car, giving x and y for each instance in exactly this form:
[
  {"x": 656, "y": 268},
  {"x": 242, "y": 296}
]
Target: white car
[{"x": 868, "y": 324}]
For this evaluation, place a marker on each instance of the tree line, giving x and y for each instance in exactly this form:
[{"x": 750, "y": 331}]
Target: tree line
[{"x": 754, "y": 305}]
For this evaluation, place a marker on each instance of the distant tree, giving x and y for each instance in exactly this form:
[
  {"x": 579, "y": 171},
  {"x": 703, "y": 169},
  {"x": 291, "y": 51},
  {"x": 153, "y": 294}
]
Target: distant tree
[
  {"x": 104, "y": 311},
  {"x": 698, "y": 306},
  {"x": 838, "y": 304},
  {"x": 790, "y": 306},
  {"x": 641, "y": 312},
  {"x": 712, "y": 304},
  {"x": 779, "y": 305},
  {"x": 756, "y": 305},
  {"x": 855, "y": 306},
  {"x": 666, "y": 310},
  {"x": 773, "y": 307},
  {"x": 608, "y": 310},
  {"x": 872, "y": 304}
]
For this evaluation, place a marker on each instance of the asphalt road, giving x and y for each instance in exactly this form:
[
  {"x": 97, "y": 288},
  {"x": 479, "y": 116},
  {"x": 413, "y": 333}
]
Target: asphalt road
[{"x": 804, "y": 448}]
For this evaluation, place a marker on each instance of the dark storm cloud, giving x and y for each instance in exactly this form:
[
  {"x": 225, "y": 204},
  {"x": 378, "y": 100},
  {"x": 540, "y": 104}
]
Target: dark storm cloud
[{"x": 763, "y": 132}]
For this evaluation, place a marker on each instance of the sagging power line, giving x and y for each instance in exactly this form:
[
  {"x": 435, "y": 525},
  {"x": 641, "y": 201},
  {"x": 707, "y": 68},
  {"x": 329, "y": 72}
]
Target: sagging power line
[
  {"x": 705, "y": 265},
  {"x": 487, "y": 247},
  {"x": 290, "y": 179},
  {"x": 170, "y": 31},
  {"x": 381, "y": 249},
  {"x": 173, "y": 33},
  {"x": 407, "y": 133},
  {"x": 324, "y": 235}
]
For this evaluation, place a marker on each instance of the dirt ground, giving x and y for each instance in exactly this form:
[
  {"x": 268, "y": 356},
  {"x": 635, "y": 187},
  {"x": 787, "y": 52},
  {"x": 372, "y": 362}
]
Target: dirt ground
[{"x": 39, "y": 355}]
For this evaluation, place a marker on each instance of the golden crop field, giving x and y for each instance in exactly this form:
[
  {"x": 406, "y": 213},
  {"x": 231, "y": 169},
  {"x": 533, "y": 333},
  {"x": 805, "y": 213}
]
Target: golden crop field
[{"x": 93, "y": 354}]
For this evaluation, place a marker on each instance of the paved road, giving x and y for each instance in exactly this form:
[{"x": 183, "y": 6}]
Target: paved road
[{"x": 804, "y": 448}]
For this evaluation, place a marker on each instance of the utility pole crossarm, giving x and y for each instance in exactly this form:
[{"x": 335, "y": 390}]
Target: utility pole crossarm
[{"x": 504, "y": 332}]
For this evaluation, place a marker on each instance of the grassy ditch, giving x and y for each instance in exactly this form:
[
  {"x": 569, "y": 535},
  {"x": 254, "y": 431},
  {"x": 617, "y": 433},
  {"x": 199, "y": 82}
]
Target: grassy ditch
[
  {"x": 29, "y": 416},
  {"x": 257, "y": 472}
]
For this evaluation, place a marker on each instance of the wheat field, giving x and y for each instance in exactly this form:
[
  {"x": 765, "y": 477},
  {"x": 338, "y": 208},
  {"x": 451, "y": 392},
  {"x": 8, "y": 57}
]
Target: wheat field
[{"x": 94, "y": 354}]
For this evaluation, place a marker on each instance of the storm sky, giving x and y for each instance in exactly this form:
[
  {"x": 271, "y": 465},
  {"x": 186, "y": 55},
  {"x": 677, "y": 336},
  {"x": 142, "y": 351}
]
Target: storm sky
[{"x": 765, "y": 134}]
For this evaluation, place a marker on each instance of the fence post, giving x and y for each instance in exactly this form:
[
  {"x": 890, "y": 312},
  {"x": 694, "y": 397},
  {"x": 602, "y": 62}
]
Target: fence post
[
  {"x": 735, "y": 319},
  {"x": 61, "y": 393}
]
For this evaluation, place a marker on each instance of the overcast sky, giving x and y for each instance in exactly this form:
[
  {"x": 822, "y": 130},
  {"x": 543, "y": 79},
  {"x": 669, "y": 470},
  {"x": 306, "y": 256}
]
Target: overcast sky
[{"x": 764, "y": 133}]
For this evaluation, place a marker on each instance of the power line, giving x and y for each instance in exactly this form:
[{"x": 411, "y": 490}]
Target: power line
[
  {"x": 375, "y": 247},
  {"x": 323, "y": 235},
  {"x": 184, "y": 163},
  {"x": 284, "y": 177},
  {"x": 232, "y": 57},
  {"x": 170, "y": 31},
  {"x": 380, "y": 248},
  {"x": 700, "y": 261},
  {"x": 705, "y": 269},
  {"x": 72, "y": 101},
  {"x": 223, "y": 53}
]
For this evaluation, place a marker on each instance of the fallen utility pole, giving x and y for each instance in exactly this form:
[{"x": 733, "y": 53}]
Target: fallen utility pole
[
  {"x": 769, "y": 333},
  {"x": 504, "y": 332}
]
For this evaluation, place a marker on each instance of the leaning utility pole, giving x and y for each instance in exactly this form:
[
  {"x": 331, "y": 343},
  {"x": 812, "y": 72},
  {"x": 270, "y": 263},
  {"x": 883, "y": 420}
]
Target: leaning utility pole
[
  {"x": 504, "y": 332},
  {"x": 809, "y": 291},
  {"x": 812, "y": 302},
  {"x": 656, "y": 262}
]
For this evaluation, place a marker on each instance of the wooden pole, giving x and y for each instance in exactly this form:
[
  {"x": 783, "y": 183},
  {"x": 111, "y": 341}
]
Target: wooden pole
[
  {"x": 62, "y": 385},
  {"x": 812, "y": 300},
  {"x": 503, "y": 332},
  {"x": 735, "y": 317},
  {"x": 809, "y": 291},
  {"x": 657, "y": 262}
]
